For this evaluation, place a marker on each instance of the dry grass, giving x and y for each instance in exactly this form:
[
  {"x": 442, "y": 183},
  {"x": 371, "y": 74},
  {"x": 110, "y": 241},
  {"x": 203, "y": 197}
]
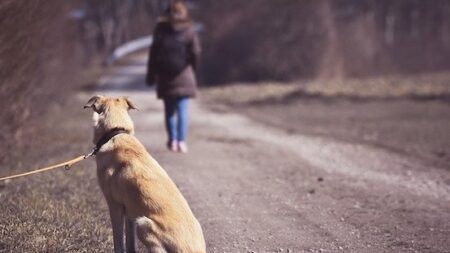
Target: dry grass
[
  {"x": 57, "y": 211},
  {"x": 419, "y": 87}
]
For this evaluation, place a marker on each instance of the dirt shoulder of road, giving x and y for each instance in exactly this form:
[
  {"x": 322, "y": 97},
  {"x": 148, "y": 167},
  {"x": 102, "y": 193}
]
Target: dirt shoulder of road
[{"x": 408, "y": 115}]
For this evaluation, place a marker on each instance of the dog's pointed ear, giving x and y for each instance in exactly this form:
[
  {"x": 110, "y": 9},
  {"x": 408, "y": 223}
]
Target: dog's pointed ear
[
  {"x": 130, "y": 104},
  {"x": 94, "y": 103}
]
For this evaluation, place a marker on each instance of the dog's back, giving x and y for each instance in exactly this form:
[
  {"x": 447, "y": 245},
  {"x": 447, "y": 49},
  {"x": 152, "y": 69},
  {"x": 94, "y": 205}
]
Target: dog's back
[{"x": 150, "y": 197}]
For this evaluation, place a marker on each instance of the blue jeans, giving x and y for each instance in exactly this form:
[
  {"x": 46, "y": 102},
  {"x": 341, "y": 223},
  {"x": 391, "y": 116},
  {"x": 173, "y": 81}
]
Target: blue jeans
[{"x": 177, "y": 118}]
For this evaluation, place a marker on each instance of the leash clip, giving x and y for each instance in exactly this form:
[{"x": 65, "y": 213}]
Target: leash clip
[{"x": 92, "y": 153}]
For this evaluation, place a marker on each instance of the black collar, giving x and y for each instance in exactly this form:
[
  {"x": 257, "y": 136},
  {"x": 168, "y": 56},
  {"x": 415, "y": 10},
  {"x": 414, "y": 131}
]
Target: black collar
[{"x": 108, "y": 136}]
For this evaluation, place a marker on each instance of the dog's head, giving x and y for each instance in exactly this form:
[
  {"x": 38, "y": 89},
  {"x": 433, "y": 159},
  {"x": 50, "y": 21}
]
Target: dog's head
[{"x": 110, "y": 113}]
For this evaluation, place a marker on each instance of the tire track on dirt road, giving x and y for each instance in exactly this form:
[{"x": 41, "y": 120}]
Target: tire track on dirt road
[{"x": 353, "y": 160}]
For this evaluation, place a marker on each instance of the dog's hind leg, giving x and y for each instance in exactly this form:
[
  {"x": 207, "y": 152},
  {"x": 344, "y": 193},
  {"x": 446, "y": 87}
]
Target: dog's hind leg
[
  {"x": 116, "y": 212},
  {"x": 130, "y": 230},
  {"x": 146, "y": 232}
]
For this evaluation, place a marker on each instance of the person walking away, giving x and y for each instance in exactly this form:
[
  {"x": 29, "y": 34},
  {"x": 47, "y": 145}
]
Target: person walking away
[{"x": 172, "y": 62}]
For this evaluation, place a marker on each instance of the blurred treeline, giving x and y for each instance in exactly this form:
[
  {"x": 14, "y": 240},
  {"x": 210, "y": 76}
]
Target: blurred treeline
[
  {"x": 291, "y": 39},
  {"x": 49, "y": 48}
]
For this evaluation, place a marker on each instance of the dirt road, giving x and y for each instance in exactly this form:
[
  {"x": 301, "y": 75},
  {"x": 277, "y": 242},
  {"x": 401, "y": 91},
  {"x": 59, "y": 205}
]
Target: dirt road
[{"x": 254, "y": 188}]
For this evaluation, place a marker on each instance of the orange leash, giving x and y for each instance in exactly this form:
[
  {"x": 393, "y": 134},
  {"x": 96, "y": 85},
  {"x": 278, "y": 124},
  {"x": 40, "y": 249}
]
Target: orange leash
[
  {"x": 105, "y": 138},
  {"x": 67, "y": 165}
]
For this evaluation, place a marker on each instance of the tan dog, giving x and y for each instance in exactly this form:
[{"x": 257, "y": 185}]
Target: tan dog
[{"x": 136, "y": 187}]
